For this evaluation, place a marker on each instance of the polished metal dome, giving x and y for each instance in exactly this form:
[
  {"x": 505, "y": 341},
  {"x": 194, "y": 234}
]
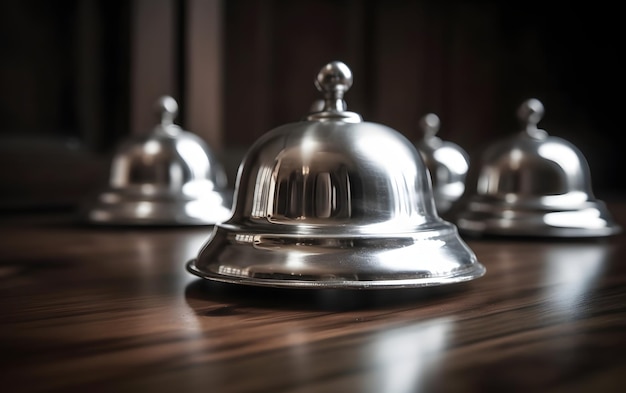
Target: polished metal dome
[
  {"x": 446, "y": 161},
  {"x": 335, "y": 202},
  {"x": 167, "y": 177},
  {"x": 532, "y": 184}
]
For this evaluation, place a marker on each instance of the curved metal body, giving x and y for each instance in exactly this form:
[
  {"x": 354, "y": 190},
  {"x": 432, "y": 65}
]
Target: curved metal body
[{"x": 335, "y": 202}]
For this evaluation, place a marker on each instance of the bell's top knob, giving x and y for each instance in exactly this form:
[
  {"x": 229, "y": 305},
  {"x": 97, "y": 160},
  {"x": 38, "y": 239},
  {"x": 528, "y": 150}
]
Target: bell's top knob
[
  {"x": 530, "y": 114},
  {"x": 335, "y": 78},
  {"x": 167, "y": 109},
  {"x": 333, "y": 81},
  {"x": 430, "y": 124}
]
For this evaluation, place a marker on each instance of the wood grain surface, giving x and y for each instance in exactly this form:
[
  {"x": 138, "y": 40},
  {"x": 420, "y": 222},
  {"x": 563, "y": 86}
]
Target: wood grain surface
[{"x": 105, "y": 309}]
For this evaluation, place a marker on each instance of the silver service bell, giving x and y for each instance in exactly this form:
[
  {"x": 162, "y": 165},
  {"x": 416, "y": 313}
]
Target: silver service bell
[
  {"x": 446, "y": 161},
  {"x": 167, "y": 177},
  {"x": 532, "y": 184},
  {"x": 334, "y": 202}
]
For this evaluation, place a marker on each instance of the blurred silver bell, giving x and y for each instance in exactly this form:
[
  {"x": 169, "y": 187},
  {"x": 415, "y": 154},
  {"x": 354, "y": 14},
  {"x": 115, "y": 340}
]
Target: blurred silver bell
[
  {"x": 167, "y": 177},
  {"x": 334, "y": 202},
  {"x": 532, "y": 184},
  {"x": 447, "y": 163}
]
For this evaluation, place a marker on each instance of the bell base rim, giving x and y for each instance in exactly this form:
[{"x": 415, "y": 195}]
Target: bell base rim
[
  {"x": 590, "y": 220},
  {"x": 477, "y": 271},
  {"x": 326, "y": 260},
  {"x": 134, "y": 212}
]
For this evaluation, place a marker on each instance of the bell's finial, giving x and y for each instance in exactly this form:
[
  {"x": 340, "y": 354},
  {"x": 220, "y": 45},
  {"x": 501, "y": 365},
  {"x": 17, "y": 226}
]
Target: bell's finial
[
  {"x": 530, "y": 114},
  {"x": 167, "y": 109},
  {"x": 334, "y": 80},
  {"x": 430, "y": 124}
]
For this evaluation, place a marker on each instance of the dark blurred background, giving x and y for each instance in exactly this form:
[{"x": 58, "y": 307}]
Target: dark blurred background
[{"x": 78, "y": 76}]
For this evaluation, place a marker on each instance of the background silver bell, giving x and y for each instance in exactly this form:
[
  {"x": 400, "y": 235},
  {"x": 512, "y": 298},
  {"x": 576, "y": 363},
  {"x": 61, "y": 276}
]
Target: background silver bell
[
  {"x": 532, "y": 184},
  {"x": 446, "y": 161},
  {"x": 334, "y": 202},
  {"x": 167, "y": 177}
]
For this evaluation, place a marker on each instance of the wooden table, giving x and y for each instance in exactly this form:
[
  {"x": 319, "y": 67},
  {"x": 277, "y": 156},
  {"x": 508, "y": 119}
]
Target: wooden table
[{"x": 114, "y": 310}]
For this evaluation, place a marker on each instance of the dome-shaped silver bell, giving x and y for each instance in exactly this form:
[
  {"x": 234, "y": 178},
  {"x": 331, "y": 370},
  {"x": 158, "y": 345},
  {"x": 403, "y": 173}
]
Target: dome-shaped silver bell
[
  {"x": 446, "y": 161},
  {"x": 335, "y": 202},
  {"x": 167, "y": 177},
  {"x": 532, "y": 184}
]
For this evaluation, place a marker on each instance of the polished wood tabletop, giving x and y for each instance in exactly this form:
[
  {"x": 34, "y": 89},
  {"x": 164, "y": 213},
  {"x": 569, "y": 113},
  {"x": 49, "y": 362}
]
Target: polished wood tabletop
[{"x": 106, "y": 309}]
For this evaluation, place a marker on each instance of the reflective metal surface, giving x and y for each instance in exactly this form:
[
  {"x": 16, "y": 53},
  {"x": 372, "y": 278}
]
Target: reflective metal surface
[
  {"x": 337, "y": 202},
  {"x": 447, "y": 162},
  {"x": 532, "y": 184},
  {"x": 168, "y": 177}
]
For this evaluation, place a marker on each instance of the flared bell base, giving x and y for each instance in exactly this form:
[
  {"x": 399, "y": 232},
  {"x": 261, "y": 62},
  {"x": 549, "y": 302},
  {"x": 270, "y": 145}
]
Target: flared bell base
[
  {"x": 481, "y": 216},
  {"x": 118, "y": 208},
  {"x": 401, "y": 260}
]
